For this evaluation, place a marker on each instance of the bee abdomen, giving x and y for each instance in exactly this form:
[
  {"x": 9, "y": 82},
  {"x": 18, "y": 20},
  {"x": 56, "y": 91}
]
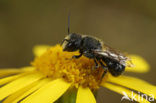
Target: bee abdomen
[{"x": 116, "y": 69}]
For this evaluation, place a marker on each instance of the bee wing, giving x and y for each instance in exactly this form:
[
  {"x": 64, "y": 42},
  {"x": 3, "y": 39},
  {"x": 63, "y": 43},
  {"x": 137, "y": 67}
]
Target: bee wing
[{"x": 112, "y": 54}]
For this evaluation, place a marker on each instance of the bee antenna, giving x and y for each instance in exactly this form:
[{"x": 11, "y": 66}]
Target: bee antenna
[{"x": 68, "y": 23}]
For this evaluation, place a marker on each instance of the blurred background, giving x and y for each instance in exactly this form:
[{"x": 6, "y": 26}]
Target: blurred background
[{"x": 129, "y": 26}]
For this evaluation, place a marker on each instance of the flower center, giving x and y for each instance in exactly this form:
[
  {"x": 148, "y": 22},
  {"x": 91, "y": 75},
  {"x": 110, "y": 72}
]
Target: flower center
[{"x": 56, "y": 63}]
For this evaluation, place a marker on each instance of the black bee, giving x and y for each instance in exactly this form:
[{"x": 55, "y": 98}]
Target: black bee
[{"x": 93, "y": 48}]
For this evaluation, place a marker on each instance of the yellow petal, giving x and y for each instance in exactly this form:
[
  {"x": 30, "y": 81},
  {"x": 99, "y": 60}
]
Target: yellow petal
[
  {"x": 122, "y": 90},
  {"x": 20, "y": 94},
  {"x": 134, "y": 83},
  {"x": 140, "y": 65},
  {"x": 40, "y": 49},
  {"x": 48, "y": 93},
  {"x": 18, "y": 84},
  {"x": 10, "y": 78},
  {"x": 85, "y": 95},
  {"x": 28, "y": 69},
  {"x": 8, "y": 71}
]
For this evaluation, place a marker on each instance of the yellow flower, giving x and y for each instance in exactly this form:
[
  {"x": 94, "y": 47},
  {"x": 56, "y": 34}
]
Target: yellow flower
[{"x": 53, "y": 73}]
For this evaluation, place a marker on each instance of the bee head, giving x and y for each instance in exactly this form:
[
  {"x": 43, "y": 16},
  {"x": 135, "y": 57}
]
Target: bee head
[{"x": 71, "y": 42}]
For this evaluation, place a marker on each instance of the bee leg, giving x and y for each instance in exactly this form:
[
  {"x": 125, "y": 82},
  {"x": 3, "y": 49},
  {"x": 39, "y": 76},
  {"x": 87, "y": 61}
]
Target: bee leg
[
  {"x": 96, "y": 64},
  {"x": 76, "y": 56},
  {"x": 105, "y": 69},
  {"x": 104, "y": 73}
]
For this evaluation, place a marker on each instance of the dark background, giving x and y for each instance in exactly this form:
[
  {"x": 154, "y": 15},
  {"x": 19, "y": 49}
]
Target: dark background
[{"x": 128, "y": 25}]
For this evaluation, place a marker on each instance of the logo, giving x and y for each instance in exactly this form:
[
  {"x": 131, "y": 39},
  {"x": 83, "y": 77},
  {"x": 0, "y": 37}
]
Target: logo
[{"x": 137, "y": 96}]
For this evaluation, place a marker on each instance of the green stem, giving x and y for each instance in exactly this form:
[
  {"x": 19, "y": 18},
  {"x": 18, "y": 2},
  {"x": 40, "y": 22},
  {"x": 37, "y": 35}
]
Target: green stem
[{"x": 70, "y": 96}]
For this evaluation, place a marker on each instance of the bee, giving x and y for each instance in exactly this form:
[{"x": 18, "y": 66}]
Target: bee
[{"x": 91, "y": 47}]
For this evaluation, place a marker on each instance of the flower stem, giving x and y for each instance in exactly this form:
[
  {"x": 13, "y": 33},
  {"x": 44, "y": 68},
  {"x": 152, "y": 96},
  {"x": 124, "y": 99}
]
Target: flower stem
[{"x": 68, "y": 97}]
